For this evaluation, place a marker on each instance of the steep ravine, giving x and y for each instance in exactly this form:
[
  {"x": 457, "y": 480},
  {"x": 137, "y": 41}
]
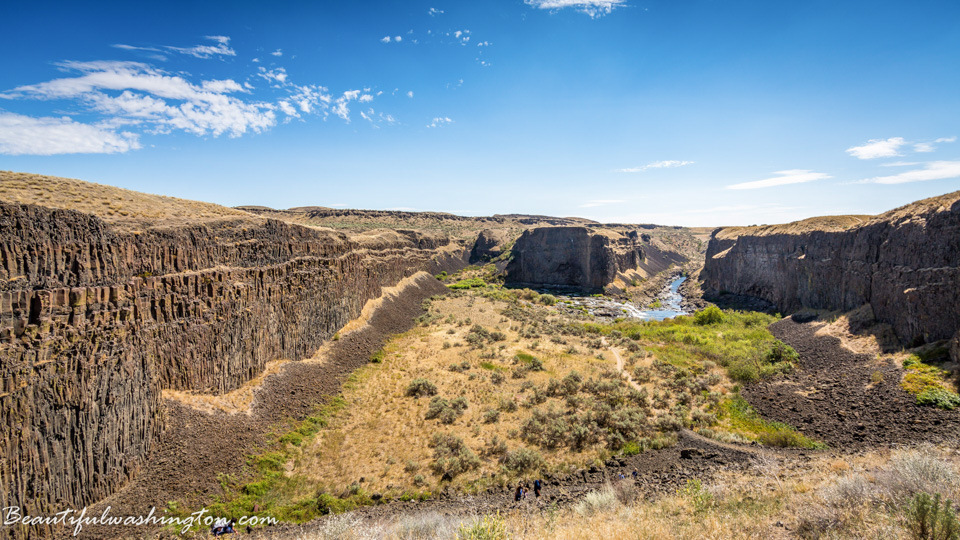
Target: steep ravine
[
  {"x": 904, "y": 263},
  {"x": 95, "y": 322}
]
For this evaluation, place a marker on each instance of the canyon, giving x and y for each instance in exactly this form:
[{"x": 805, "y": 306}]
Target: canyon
[{"x": 904, "y": 263}]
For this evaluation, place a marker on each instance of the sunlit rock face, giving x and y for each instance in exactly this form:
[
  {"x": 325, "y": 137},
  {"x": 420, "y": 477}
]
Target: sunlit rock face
[{"x": 905, "y": 263}]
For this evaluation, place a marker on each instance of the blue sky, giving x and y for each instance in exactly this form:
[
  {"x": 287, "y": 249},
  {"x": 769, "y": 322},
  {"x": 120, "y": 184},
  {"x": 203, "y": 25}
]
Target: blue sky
[{"x": 696, "y": 112}]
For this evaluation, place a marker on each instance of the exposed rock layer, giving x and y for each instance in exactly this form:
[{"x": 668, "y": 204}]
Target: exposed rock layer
[
  {"x": 95, "y": 322},
  {"x": 576, "y": 257},
  {"x": 905, "y": 263}
]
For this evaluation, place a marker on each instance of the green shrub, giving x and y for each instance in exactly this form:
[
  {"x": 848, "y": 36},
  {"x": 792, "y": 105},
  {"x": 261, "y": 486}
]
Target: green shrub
[
  {"x": 548, "y": 299},
  {"x": 451, "y": 455},
  {"x": 929, "y": 518},
  {"x": 523, "y": 460},
  {"x": 488, "y": 528},
  {"x": 491, "y": 416},
  {"x": 421, "y": 387},
  {"x": 939, "y": 397},
  {"x": 711, "y": 315},
  {"x": 471, "y": 283}
]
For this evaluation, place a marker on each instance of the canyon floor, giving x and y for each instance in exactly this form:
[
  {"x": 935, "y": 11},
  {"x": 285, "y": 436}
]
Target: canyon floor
[{"x": 702, "y": 483}]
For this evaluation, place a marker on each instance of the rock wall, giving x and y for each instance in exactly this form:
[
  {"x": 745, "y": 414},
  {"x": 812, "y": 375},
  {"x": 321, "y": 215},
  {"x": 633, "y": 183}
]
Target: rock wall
[
  {"x": 905, "y": 263},
  {"x": 575, "y": 257},
  {"x": 94, "y": 323}
]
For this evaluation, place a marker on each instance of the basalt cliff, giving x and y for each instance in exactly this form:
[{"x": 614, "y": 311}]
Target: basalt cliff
[
  {"x": 904, "y": 263},
  {"x": 100, "y": 313},
  {"x": 584, "y": 258}
]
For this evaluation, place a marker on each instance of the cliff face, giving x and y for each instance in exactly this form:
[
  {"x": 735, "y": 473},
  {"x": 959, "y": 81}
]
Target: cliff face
[
  {"x": 576, "y": 257},
  {"x": 905, "y": 263},
  {"x": 96, "y": 320}
]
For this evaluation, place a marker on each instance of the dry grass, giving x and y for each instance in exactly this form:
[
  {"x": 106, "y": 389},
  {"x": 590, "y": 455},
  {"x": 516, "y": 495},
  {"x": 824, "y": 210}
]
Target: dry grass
[
  {"x": 112, "y": 204},
  {"x": 363, "y": 442},
  {"x": 239, "y": 401},
  {"x": 790, "y": 498}
]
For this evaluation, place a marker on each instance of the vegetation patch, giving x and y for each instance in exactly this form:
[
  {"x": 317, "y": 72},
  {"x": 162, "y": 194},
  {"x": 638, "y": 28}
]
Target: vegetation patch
[
  {"x": 742, "y": 419},
  {"x": 928, "y": 384}
]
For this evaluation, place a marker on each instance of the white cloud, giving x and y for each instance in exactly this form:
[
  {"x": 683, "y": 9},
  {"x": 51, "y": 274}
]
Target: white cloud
[
  {"x": 278, "y": 52},
  {"x": 398, "y": 39},
  {"x": 385, "y": 39},
  {"x": 593, "y": 8},
  {"x": 142, "y": 98},
  {"x": 434, "y": 12},
  {"x": 288, "y": 109},
  {"x": 900, "y": 164},
  {"x": 410, "y": 94},
  {"x": 440, "y": 121},
  {"x": 669, "y": 164},
  {"x": 878, "y": 148},
  {"x": 278, "y": 75},
  {"x": 222, "y": 48},
  {"x": 935, "y": 170},
  {"x": 25, "y": 135},
  {"x": 793, "y": 176},
  {"x": 925, "y": 147},
  {"x": 601, "y": 202}
]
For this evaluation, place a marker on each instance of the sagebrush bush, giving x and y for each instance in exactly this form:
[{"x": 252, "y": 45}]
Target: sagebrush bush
[
  {"x": 930, "y": 518},
  {"x": 451, "y": 455},
  {"x": 523, "y": 460},
  {"x": 420, "y": 388}
]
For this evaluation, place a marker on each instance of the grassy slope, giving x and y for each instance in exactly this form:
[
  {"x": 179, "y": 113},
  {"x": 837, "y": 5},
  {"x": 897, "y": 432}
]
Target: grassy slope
[{"x": 380, "y": 434}]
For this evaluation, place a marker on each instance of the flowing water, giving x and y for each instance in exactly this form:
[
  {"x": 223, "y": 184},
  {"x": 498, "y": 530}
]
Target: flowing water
[{"x": 670, "y": 300}]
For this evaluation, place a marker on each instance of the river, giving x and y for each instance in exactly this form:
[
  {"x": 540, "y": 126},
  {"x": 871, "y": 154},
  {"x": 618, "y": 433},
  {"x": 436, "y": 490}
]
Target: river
[{"x": 608, "y": 308}]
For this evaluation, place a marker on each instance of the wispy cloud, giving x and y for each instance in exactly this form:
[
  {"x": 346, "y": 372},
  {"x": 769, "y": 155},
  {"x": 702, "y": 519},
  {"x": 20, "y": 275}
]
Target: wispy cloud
[
  {"x": 669, "y": 164},
  {"x": 142, "y": 99},
  {"x": 48, "y": 136},
  {"x": 440, "y": 121},
  {"x": 935, "y": 170},
  {"x": 792, "y": 176},
  {"x": 433, "y": 12},
  {"x": 410, "y": 94},
  {"x": 601, "y": 202},
  {"x": 878, "y": 148},
  {"x": 593, "y": 8},
  {"x": 900, "y": 164},
  {"x": 278, "y": 52},
  {"x": 925, "y": 147}
]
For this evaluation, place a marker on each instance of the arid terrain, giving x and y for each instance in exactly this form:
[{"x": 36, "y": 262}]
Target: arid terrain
[{"x": 365, "y": 374}]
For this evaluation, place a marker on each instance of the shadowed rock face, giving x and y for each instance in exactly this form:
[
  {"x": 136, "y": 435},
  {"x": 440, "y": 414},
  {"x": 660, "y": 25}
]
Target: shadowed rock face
[
  {"x": 95, "y": 322},
  {"x": 905, "y": 263},
  {"x": 575, "y": 257},
  {"x": 489, "y": 245}
]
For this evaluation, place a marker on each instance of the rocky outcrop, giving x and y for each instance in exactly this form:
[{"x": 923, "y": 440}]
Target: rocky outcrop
[
  {"x": 573, "y": 257},
  {"x": 905, "y": 263},
  {"x": 95, "y": 321},
  {"x": 490, "y": 244}
]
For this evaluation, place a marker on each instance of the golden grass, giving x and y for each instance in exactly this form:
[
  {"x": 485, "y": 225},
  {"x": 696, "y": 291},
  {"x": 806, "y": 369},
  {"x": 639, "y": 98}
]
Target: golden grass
[
  {"x": 382, "y": 435},
  {"x": 239, "y": 401},
  {"x": 382, "y": 430},
  {"x": 788, "y": 497},
  {"x": 112, "y": 204}
]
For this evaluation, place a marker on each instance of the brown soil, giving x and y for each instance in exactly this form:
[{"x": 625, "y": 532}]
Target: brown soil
[
  {"x": 198, "y": 446},
  {"x": 831, "y": 395}
]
